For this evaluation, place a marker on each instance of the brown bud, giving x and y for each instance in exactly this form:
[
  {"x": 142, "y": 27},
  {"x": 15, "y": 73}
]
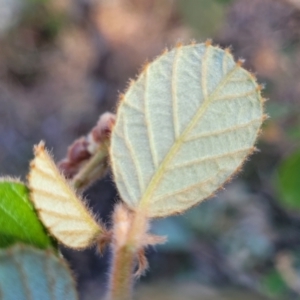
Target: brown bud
[
  {"x": 67, "y": 168},
  {"x": 104, "y": 127},
  {"x": 78, "y": 151}
]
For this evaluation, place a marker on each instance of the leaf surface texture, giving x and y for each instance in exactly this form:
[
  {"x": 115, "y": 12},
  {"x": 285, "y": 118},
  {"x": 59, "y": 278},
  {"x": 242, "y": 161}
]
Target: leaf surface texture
[
  {"x": 60, "y": 209},
  {"x": 183, "y": 129},
  {"x": 31, "y": 274},
  {"x": 18, "y": 220}
]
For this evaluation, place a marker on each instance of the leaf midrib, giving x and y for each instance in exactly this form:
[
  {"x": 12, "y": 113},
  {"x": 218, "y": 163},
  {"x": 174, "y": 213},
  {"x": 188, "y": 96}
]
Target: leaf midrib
[{"x": 172, "y": 152}]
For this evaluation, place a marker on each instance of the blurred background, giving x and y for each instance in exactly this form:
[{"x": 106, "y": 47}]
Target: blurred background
[{"x": 64, "y": 62}]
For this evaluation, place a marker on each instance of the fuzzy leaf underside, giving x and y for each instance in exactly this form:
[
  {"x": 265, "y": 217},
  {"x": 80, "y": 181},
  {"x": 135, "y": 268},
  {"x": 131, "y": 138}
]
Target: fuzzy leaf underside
[
  {"x": 183, "y": 129},
  {"x": 18, "y": 220},
  {"x": 31, "y": 274},
  {"x": 58, "y": 206}
]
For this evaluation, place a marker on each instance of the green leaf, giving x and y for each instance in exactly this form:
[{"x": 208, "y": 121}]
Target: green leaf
[
  {"x": 18, "y": 220},
  {"x": 288, "y": 181},
  {"x": 183, "y": 129},
  {"x": 274, "y": 285},
  {"x": 31, "y": 274}
]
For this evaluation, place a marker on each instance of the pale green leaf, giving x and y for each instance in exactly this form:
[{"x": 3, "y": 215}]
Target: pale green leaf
[
  {"x": 183, "y": 129},
  {"x": 60, "y": 209},
  {"x": 27, "y": 273}
]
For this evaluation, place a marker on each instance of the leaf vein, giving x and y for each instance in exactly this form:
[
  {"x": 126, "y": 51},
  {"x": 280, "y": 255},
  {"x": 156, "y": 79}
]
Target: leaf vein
[
  {"x": 44, "y": 174},
  {"x": 130, "y": 105},
  {"x": 221, "y": 131},
  {"x": 236, "y": 96},
  {"x": 49, "y": 278},
  {"x": 185, "y": 189},
  {"x": 60, "y": 215},
  {"x": 22, "y": 229},
  {"x": 24, "y": 278},
  {"x": 224, "y": 63},
  {"x": 125, "y": 181},
  {"x": 26, "y": 202},
  {"x": 133, "y": 158},
  {"x": 149, "y": 131},
  {"x": 204, "y": 73},
  {"x": 173, "y": 150},
  {"x": 207, "y": 158},
  {"x": 60, "y": 197}
]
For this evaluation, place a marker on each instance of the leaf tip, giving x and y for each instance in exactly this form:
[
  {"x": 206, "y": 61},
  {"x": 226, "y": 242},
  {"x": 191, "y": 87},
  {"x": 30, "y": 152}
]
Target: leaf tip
[{"x": 39, "y": 148}]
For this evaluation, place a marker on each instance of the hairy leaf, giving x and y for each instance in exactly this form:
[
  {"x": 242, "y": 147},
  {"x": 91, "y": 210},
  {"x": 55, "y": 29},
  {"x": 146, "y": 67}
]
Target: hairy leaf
[
  {"x": 184, "y": 128},
  {"x": 60, "y": 209},
  {"x": 18, "y": 220},
  {"x": 30, "y": 274}
]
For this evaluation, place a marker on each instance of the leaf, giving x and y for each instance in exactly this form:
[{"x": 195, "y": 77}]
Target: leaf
[
  {"x": 30, "y": 274},
  {"x": 274, "y": 284},
  {"x": 58, "y": 206},
  {"x": 18, "y": 220},
  {"x": 183, "y": 129},
  {"x": 288, "y": 183}
]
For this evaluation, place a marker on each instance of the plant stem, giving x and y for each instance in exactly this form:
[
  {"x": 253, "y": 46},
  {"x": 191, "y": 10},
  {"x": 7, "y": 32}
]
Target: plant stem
[
  {"x": 94, "y": 169},
  {"x": 129, "y": 231},
  {"x": 121, "y": 281}
]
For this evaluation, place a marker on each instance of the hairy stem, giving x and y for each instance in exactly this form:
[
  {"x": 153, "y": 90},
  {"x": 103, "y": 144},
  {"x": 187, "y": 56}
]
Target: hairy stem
[
  {"x": 129, "y": 232},
  {"x": 121, "y": 281}
]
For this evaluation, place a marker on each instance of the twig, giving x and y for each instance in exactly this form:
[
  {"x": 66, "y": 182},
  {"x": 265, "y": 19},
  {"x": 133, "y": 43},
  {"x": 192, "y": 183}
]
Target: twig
[{"x": 94, "y": 169}]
